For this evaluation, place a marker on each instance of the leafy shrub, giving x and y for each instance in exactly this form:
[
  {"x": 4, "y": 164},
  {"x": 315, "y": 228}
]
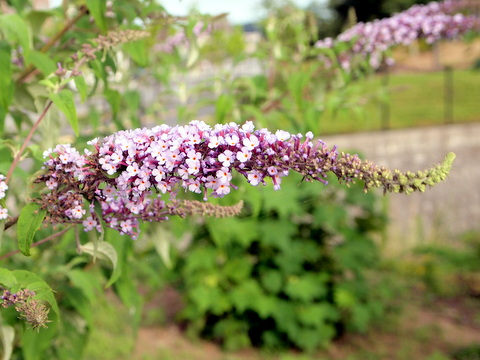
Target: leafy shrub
[
  {"x": 291, "y": 272},
  {"x": 304, "y": 260}
]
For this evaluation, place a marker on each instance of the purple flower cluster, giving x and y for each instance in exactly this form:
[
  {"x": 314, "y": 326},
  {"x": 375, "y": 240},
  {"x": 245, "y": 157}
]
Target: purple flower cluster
[
  {"x": 10, "y": 298},
  {"x": 32, "y": 311},
  {"x": 3, "y": 189},
  {"x": 434, "y": 21},
  {"x": 130, "y": 174},
  {"x": 129, "y": 166}
]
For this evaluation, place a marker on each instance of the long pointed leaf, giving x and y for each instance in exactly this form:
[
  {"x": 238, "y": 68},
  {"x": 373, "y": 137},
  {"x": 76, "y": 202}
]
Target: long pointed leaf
[
  {"x": 6, "y": 84},
  {"x": 102, "y": 251},
  {"x": 30, "y": 219},
  {"x": 7, "y": 334},
  {"x": 64, "y": 101},
  {"x": 97, "y": 9}
]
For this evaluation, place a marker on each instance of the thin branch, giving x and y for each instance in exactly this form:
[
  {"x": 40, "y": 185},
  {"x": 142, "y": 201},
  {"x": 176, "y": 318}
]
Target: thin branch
[
  {"x": 40, "y": 242},
  {"x": 31, "y": 69},
  {"x": 11, "y": 222},
  {"x": 25, "y": 143}
]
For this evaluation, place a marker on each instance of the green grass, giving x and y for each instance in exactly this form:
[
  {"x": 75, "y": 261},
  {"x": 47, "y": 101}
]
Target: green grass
[{"x": 414, "y": 100}]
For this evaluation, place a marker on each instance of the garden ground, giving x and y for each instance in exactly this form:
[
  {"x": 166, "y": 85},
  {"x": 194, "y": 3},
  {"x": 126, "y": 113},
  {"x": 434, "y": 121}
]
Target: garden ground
[{"x": 426, "y": 326}]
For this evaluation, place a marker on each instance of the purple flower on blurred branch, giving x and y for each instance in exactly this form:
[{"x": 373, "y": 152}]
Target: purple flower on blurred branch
[
  {"x": 181, "y": 39},
  {"x": 29, "y": 309},
  {"x": 127, "y": 177},
  {"x": 432, "y": 22}
]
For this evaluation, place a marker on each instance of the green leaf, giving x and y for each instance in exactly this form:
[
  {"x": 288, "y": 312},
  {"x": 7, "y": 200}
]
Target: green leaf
[
  {"x": 285, "y": 317},
  {"x": 30, "y": 219},
  {"x": 200, "y": 259},
  {"x": 316, "y": 314},
  {"x": 234, "y": 334},
  {"x": 35, "y": 343},
  {"x": 42, "y": 62},
  {"x": 7, "y": 334},
  {"x": 126, "y": 288},
  {"x": 193, "y": 55},
  {"x": 79, "y": 301},
  {"x": 114, "y": 98},
  {"x": 7, "y": 279},
  {"x": 344, "y": 298},
  {"x": 297, "y": 82},
  {"x": 81, "y": 86},
  {"x": 99, "y": 71},
  {"x": 226, "y": 230},
  {"x": 306, "y": 287},
  {"x": 103, "y": 251},
  {"x": 331, "y": 216},
  {"x": 45, "y": 293},
  {"x": 25, "y": 97},
  {"x": 86, "y": 282},
  {"x": 74, "y": 344},
  {"x": 272, "y": 281},
  {"x": 310, "y": 339},
  {"x": 254, "y": 111},
  {"x": 360, "y": 317},
  {"x": 29, "y": 280},
  {"x": 280, "y": 201},
  {"x": 246, "y": 295},
  {"x": 64, "y": 101},
  {"x": 208, "y": 298},
  {"x": 121, "y": 244},
  {"x": 277, "y": 233},
  {"x": 36, "y": 19},
  {"x": 265, "y": 306},
  {"x": 161, "y": 243},
  {"x": 6, "y": 84},
  {"x": 16, "y": 29},
  {"x": 97, "y": 9},
  {"x": 2, "y": 228},
  {"x": 138, "y": 51},
  {"x": 238, "y": 269},
  {"x": 223, "y": 107},
  {"x": 133, "y": 101}
]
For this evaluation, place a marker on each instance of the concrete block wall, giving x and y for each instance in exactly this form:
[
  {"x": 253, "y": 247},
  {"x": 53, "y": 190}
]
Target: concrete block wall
[{"x": 442, "y": 213}]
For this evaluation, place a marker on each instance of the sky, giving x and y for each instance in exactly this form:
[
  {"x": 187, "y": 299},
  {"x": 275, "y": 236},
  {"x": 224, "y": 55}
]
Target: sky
[{"x": 240, "y": 11}]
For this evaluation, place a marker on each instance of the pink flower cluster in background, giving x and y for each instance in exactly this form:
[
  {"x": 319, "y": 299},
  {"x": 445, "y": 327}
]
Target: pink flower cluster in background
[
  {"x": 432, "y": 22},
  {"x": 180, "y": 38}
]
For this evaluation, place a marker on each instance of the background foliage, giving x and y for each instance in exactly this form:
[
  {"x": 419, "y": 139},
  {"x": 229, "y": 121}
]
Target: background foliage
[{"x": 293, "y": 270}]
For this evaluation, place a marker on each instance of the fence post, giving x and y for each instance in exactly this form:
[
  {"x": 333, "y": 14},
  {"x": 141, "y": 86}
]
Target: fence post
[
  {"x": 448, "y": 94},
  {"x": 385, "y": 105}
]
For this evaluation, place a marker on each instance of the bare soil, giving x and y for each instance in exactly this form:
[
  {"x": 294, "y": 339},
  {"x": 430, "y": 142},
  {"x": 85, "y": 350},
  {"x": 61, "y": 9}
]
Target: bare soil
[{"x": 425, "y": 325}]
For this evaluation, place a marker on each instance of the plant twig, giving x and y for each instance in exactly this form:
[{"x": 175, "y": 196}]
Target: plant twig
[
  {"x": 26, "y": 141},
  {"x": 40, "y": 242},
  {"x": 11, "y": 222},
  {"x": 30, "y": 69}
]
